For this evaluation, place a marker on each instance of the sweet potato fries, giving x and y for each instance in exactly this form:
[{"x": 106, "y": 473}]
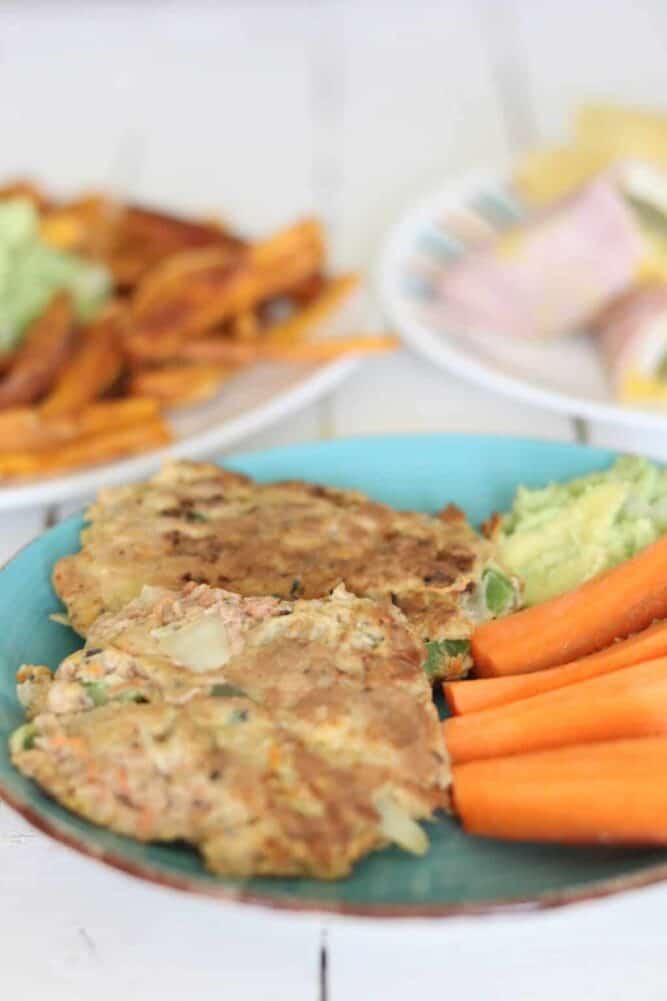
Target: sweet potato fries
[{"x": 192, "y": 304}]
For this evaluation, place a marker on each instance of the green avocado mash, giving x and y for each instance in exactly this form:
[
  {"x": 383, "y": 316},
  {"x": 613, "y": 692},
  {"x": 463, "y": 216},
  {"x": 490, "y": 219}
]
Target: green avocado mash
[
  {"x": 558, "y": 537},
  {"x": 31, "y": 271}
]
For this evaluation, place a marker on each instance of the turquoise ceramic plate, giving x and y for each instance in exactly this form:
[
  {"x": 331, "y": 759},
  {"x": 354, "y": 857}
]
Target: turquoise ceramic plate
[{"x": 460, "y": 874}]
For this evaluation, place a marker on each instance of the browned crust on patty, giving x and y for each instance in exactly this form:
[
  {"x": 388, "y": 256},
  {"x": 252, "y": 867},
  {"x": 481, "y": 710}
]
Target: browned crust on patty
[
  {"x": 274, "y": 740},
  {"x": 197, "y": 522}
]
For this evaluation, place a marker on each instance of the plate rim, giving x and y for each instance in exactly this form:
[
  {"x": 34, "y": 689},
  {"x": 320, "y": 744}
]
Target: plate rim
[
  {"x": 201, "y": 445},
  {"x": 517, "y": 906},
  {"x": 443, "y": 352},
  {"x": 652, "y": 875}
]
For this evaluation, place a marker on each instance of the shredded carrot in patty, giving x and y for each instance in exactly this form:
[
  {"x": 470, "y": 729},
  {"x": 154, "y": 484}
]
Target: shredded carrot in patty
[
  {"x": 95, "y": 670},
  {"x": 121, "y": 779},
  {"x": 145, "y": 822},
  {"x": 74, "y": 744}
]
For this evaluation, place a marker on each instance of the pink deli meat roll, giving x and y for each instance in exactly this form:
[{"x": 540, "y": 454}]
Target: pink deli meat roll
[
  {"x": 551, "y": 276},
  {"x": 632, "y": 336}
]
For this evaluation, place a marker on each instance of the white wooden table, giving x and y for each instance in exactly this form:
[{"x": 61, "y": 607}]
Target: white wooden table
[{"x": 347, "y": 109}]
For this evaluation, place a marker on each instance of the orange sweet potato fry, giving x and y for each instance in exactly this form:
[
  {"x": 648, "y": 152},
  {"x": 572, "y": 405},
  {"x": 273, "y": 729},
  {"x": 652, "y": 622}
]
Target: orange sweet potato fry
[
  {"x": 48, "y": 344},
  {"x": 191, "y": 294},
  {"x": 25, "y": 429},
  {"x": 86, "y": 451},
  {"x": 142, "y": 238},
  {"x": 92, "y": 369},
  {"x": 180, "y": 385}
]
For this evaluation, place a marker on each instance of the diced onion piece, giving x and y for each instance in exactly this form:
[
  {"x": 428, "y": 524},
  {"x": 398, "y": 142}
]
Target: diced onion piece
[
  {"x": 60, "y": 617},
  {"x": 200, "y": 646},
  {"x": 399, "y": 827},
  {"x": 150, "y": 594}
]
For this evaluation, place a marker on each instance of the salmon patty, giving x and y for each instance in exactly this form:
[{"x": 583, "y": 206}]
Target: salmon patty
[
  {"x": 198, "y": 522},
  {"x": 278, "y": 737}
]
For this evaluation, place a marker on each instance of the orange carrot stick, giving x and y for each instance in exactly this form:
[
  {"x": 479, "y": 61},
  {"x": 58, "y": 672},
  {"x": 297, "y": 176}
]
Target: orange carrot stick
[
  {"x": 614, "y": 792},
  {"x": 483, "y": 693},
  {"x": 631, "y": 702},
  {"x": 610, "y": 606}
]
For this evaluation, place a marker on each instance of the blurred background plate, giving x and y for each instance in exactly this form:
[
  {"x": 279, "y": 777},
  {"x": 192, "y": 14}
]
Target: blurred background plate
[
  {"x": 564, "y": 375},
  {"x": 256, "y": 398}
]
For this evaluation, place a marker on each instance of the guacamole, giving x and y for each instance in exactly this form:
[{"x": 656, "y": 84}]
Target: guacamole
[
  {"x": 559, "y": 536},
  {"x": 31, "y": 271}
]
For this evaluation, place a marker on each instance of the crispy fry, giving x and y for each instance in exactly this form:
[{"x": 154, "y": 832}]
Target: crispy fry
[
  {"x": 304, "y": 293},
  {"x": 83, "y": 226},
  {"x": 284, "y": 261},
  {"x": 169, "y": 277},
  {"x": 142, "y": 238},
  {"x": 193, "y": 304},
  {"x": 22, "y": 188},
  {"x": 47, "y": 345},
  {"x": 180, "y": 385},
  {"x": 92, "y": 369},
  {"x": 306, "y": 232},
  {"x": 326, "y": 350},
  {"x": 142, "y": 349},
  {"x": 107, "y": 414},
  {"x": 245, "y": 326},
  {"x": 6, "y": 361},
  {"x": 225, "y": 351},
  {"x": 294, "y": 327},
  {"x": 86, "y": 451},
  {"x": 189, "y": 296},
  {"x": 25, "y": 429}
]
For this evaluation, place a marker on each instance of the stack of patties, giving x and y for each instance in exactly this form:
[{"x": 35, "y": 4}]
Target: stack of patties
[
  {"x": 278, "y": 737},
  {"x": 197, "y": 522}
]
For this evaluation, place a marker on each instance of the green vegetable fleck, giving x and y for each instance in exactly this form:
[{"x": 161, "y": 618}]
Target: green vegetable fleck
[
  {"x": 195, "y": 516},
  {"x": 130, "y": 695},
  {"x": 31, "y": 271},
  {"x": 499, "y": 592},
  {"x": 226, "y": 691},
  {"x": 97, "y": 692},
  {"x": 439, "y": 651},
  {"x": 23, "y": 739},
  {"x": 238, "y": 716}
]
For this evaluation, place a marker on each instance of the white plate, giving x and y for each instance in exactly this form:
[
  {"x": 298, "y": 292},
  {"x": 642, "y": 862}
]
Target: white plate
[
  {"x": 565, "y": 375},
  {"x": 250, "y": 402}
]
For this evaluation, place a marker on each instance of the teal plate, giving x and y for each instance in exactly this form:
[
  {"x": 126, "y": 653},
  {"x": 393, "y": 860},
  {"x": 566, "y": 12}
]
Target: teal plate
[{"x": 460, "y": 874}]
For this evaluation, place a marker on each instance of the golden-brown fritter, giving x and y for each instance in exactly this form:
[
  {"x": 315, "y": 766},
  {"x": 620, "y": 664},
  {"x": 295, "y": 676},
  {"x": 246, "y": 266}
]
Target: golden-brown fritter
[
  {"x": 284, "y": 737},
  {"x": 219, "y": 773},
  {"x": 197, "y": 522}
]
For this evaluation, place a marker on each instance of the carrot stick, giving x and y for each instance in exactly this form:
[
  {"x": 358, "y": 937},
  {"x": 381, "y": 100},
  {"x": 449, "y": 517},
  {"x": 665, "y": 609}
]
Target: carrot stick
[
  {"x": 614, "y": 792},
  {"x": 628, "y": 703},
  {"x": 610, "y": 606},
  {"x": 483, "y": 693}
]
